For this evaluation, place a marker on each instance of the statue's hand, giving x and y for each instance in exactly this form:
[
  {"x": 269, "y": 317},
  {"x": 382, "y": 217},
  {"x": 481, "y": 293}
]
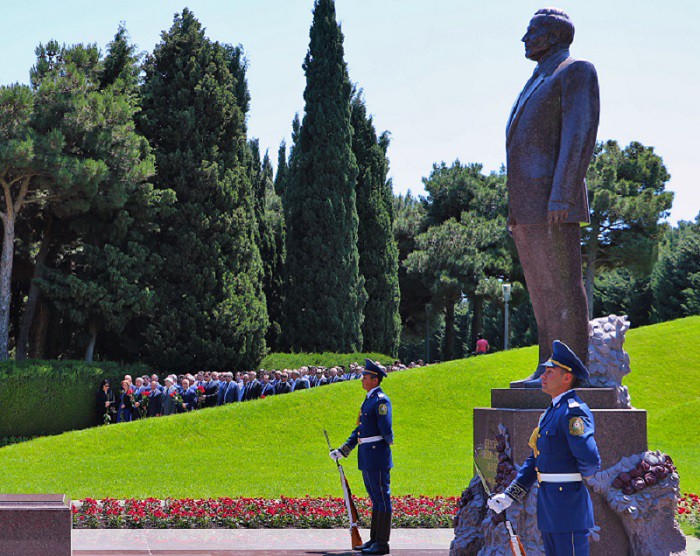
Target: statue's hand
[{"x": 557, "y": 216}]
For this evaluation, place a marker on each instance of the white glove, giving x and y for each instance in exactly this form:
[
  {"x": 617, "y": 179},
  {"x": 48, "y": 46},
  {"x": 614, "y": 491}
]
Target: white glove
[
  {"x": 336, "y": 455},
  {"x": 499, "y": 502}
]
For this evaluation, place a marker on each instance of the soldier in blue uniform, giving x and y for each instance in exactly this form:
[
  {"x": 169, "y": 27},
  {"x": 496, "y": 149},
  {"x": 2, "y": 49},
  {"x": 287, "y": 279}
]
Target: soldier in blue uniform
[
  {"x": 374, "y": 436},
  {"x": 564, "y": 452}
]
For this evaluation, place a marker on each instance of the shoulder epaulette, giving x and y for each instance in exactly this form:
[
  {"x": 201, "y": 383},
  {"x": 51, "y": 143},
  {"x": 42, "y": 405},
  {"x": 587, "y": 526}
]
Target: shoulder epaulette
[{"x": 573, "y": 403}]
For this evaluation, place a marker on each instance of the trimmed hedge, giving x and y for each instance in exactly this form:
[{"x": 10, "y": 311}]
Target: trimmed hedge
[
  {"x": 281, "y": 361},
  {"x": 50, "y": 397}
]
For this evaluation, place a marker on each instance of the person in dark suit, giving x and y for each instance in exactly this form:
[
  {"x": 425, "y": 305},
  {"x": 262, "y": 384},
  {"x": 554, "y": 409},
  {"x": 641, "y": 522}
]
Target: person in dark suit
[
  {"x": 253, "y": 388},
  {"x": 268, "y": 389},
  {"x": 231, "y": 394},
  {"x": 223, "y": 387},
  {"x": 126, "y": 395},
  {"x": 169, "y": 403},
  {"x": 155, "y": 400},
  {"x": 550, "y": 138},
  {"x": 189, "y": 395},
  {"x": 321, "y": 379},
  {"x": 106, "y": 404},
  {"x": 284, "y": 386}
]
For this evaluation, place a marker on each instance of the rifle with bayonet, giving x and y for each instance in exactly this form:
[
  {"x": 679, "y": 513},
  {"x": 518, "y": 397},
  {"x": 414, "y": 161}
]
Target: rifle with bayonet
[
  {"x": 516, "y": 547},
  {"x": 349, "y": 504}
]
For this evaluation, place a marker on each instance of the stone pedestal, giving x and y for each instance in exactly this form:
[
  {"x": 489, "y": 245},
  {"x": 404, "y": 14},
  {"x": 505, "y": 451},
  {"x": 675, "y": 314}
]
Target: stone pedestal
[
  {"x": 35, "y": 525},
  {"x": 619, "y": 433}
]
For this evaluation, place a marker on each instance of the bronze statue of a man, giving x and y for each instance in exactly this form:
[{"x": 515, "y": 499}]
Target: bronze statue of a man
[{"x": 550, "y": 138}]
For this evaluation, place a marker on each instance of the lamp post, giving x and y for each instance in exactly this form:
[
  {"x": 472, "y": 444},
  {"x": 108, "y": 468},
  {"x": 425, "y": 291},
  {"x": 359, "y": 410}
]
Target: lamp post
[{"x": 506, "y": 298}]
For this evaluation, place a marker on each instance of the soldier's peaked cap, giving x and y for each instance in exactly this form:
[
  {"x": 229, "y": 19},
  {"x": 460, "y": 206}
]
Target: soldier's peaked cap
[
  {"x": 371, "y": 368},
  {"x": 563, "y": 357}
]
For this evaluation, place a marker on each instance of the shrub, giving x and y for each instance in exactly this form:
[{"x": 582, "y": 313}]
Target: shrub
[
  {"x": 51, "y": 397},
  {"x": 327, "y": 359}
]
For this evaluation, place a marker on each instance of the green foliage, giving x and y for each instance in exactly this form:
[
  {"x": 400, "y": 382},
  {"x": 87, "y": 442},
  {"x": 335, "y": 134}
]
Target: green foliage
[
  {"x": 324, "y": 294},
  {"x": 51, "y": 397},
  {"x": 409, "y": 222},
  {"x": 270, "y": 240},
  {"x": 328, "y": 359},
  {"x": 282, "y": 169},
  {"x": 70, "y": 148},
  {"x": 675, "y": 280},
  {"x": 377, "y": 248},
  {"x": 627, "y": 197},
  {"x": 211, "y": 311},
  {"x": 464, "y": 250},
  {"x": 432, "y": 426},
  {"x": 621, "y": 292}
]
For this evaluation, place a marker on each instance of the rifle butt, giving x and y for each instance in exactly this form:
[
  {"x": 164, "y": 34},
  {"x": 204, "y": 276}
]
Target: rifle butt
[{"x": 355, "y": 536}]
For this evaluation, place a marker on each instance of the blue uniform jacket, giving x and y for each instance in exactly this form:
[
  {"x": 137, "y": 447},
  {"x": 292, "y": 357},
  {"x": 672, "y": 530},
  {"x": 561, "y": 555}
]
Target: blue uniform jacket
[
  {"x": 374, "y": 419},
  {"x": 566, "y": 445}
]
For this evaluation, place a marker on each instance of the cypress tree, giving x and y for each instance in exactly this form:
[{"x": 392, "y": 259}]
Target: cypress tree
[
  {"x": 324, "y": 291},
  {"x": 282, "y": 169},
  {"x": 211, "y": 307},
  {"x": 379, "y": 255}
]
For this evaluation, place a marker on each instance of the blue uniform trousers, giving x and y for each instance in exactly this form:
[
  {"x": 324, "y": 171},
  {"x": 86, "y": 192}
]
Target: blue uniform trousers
[
  {"x": 377, "y": 485},
  {"x": 566, "y": 544}
]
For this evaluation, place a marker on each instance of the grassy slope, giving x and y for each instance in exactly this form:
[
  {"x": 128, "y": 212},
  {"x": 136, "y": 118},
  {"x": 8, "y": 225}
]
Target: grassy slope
[{"x": 275, "y": 446}]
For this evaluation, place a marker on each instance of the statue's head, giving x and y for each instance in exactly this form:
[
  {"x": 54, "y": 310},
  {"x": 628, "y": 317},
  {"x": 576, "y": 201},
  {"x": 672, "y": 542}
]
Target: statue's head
[{"x": 549, "y": 28}]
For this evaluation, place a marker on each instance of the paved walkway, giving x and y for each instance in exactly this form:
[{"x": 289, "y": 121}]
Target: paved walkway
[
  {"x": 260, "y": 542},
  {"x": 257, "y": 542}
]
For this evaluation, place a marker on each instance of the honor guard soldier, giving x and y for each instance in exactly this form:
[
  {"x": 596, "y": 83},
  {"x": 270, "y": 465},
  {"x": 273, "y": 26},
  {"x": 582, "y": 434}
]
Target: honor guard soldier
[
  {"x": 564, "y": 452},
  {"x": 374, "y": 435}
]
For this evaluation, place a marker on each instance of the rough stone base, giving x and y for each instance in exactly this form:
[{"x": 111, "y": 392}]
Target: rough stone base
[
  {"x": 619, "y": 433},
  {"x": 35, "y": 525}
]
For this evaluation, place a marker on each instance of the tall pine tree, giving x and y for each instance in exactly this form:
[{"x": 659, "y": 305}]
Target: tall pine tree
[
  {"x": 379, "y": 255},
  {"x": 211, "y": 306},
  {"x": 324, "y": 291}
]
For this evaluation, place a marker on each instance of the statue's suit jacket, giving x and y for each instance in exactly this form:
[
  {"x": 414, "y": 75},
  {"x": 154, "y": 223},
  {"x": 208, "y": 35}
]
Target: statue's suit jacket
[{"x": 550, "y": 139}]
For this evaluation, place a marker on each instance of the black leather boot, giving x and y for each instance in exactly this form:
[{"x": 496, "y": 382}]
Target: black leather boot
[
  {"x": 372, "y": 533},
  {"x": 381, "y": 545}
]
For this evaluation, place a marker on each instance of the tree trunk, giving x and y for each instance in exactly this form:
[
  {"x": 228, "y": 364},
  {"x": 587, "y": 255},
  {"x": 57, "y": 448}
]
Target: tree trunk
[
  {"x": 591, "y": 261},
  {"x": 40, "y": 330},
  {"x": 90, "y": 350},
  {"x": 449, "y": 344},
  {"x": 33, "y": 296},
  {"x": 477, "y": 319},
  {"x": 6, "y": 260}
]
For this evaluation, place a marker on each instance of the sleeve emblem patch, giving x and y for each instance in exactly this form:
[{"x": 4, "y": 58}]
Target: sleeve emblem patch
[
  {"x": 576, "y": 426},
  {"x": 382, "y": 409}
]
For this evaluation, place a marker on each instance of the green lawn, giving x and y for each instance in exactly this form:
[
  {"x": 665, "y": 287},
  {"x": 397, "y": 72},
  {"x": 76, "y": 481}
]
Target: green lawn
[{"x": 276, "y": 447}]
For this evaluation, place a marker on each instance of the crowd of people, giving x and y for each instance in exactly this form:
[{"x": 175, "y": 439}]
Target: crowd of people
[{"x": 147, "y": 397}]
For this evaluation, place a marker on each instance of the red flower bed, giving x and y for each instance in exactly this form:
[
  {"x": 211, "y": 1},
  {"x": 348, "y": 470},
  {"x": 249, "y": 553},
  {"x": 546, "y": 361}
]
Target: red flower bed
[
  {"x": 255, "y": 513},
  {"x": 689, "y": 513}
]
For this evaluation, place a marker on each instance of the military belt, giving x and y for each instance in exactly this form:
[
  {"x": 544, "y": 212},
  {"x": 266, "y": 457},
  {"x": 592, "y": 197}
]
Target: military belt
[
  {"x": 368, "y": 439},
  {"x": 559, "y": 477}
]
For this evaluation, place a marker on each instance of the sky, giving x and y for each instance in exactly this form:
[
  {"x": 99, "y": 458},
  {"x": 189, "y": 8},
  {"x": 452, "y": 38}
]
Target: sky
[{"x": 439, "y": 75}]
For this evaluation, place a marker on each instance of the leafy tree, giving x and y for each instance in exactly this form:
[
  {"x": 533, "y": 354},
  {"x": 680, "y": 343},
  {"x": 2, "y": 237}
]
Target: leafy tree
[
  {"x": 409, "y": 223},
  {"x": 211, "y": 311},
  {"x": 465, "y": 243},
  {"x": 100, "y": 281},
  {"x": 324, "y": 294},
  {"x": 627, "y": 197},
  {"x": 57, "y": 151},
  {"x": 675, "y": 280},
  {"x": 376, "y": 245},
  {"x": 622, "y": 292}
]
